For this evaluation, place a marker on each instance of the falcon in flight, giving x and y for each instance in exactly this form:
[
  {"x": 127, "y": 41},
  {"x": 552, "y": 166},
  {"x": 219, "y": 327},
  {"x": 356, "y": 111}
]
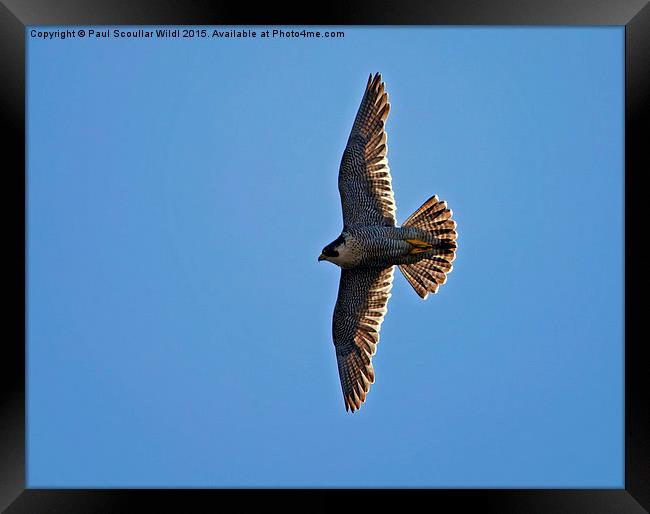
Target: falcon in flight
[{"x": 371, "y": 244}]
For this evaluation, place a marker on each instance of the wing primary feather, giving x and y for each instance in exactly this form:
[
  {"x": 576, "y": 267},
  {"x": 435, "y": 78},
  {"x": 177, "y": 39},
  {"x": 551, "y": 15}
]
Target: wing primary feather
[
  {"x": 364, "y": 200},
  {"x": 358, "y": 316}
]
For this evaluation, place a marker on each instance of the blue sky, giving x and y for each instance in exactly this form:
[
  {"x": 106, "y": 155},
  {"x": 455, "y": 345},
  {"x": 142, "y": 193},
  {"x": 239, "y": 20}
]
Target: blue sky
[{"x": 179, "y": 192}]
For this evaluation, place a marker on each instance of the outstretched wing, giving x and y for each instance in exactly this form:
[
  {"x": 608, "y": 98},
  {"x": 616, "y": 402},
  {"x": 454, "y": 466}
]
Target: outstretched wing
[
  {"x": 364, "y": 176},
  {"x": 358, "y": 315}
]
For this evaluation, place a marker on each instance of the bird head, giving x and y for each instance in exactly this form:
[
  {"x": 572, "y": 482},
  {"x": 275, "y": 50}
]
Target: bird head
[{"x": 332, "y": 250}]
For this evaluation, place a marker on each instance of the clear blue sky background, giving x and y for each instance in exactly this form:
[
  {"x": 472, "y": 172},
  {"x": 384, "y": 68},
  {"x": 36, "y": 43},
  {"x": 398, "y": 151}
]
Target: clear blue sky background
[{"x": 179, "y": 324}]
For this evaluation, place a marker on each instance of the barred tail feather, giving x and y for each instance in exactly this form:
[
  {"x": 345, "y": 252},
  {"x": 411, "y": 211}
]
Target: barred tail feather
[{"x": 430, "y": 272}]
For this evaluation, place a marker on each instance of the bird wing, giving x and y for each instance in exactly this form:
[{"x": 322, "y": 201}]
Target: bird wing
[
  {"x": 358, "y": 315},
  {"x": 364, "y": 176}
]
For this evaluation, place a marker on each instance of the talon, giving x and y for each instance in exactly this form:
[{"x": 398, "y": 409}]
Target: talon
[{"x": 419, "y": 246}]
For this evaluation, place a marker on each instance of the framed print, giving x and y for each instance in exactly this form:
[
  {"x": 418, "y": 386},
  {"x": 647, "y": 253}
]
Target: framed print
[{"x": 177, "y": 171}]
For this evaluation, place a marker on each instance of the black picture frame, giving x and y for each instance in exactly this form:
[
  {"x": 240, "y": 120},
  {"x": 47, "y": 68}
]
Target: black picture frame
[{"x": 16, "y": 15}]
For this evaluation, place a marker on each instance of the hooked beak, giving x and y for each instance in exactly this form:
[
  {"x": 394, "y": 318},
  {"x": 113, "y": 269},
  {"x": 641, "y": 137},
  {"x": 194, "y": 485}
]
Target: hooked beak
[{"x": 321, "y": 257}]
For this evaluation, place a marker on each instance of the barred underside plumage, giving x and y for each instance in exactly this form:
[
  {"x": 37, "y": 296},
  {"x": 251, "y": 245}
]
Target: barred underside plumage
[
  {"x": 358, "y": 315},
  {"x": 365, "y": 184}
]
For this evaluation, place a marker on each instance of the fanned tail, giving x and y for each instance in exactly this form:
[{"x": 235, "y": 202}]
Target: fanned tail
[{"x": 437, "y": 248}]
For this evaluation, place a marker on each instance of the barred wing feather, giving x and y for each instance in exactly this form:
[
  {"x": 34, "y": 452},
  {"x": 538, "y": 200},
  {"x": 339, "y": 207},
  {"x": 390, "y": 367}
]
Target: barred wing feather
[
  {"x": 358, "y": 315},
  {"x": 365, "y": 184}
]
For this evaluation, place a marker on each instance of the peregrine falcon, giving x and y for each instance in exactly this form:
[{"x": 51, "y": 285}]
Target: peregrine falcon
[{"x": 371, "y": 244}]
